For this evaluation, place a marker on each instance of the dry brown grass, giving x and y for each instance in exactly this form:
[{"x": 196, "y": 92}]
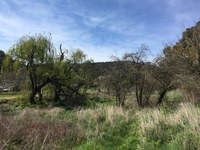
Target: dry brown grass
[
  {"x": 56, "y": 128},
  {"x": 29, "y": 130}
]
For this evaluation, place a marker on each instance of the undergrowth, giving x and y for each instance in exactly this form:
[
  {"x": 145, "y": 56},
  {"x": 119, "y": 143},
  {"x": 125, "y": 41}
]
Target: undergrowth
[{"x": 102, "y": 127}]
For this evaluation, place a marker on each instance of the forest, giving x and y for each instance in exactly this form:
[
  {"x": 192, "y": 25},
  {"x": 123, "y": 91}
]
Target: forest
[{"x": 54, "y": 98}]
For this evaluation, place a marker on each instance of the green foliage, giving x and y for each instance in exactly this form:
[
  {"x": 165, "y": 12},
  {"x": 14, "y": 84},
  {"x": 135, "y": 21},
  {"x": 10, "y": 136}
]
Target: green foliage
[
  {"x": 172, "y": 102},
  {"x": 36, "y": 55},
  {"x": 105, "y": 127},
  {"x": 97, "y": 101},
  {"x": 70, "y": 81},
  {"x": 162, "y": 134},
  {"x": 109, "y": 131},
  {"x": 174, "y": 96},
  {"x": 78, "y": 56},
  {"x": 186, "y": 141},
  {"x": 121, "y": 136},
  {"x": 39, "y": 47},
  {"x": 7, "y": 63},
  {"x": 65, "y": 80},
  {"x": 23, "y": 102},
  {"x": 174, "y": 137}
]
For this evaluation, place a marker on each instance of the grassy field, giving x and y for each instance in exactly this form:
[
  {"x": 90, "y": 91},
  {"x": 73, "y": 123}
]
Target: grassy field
[
  {"x": 101, "y": 127},
  {"x": 9, "y": 96}
]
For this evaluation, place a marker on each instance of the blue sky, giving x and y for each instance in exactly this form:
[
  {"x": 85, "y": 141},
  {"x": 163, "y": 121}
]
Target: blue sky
[{"x": 100, "y": 28}]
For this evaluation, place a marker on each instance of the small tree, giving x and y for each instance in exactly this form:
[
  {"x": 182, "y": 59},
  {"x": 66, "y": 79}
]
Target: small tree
[
  {"x": 7, "y": 74},
  {"x": 117, "y": 80},
  {"x": 71, "y": 78},
  {"x": 164, "y": 78},
  {"x": 142, "y": 77},
  {"x": 13, "y": 73}
]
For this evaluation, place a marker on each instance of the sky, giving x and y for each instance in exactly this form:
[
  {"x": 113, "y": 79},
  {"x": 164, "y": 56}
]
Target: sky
[{"x": 101, "y": 28}]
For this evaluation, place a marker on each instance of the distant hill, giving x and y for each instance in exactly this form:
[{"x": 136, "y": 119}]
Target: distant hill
[{"x": 99, "y": 68}]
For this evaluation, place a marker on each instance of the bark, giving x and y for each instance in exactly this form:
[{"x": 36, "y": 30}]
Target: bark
[
  {"x": 36, "y": 89},
  {"x": 161, "y": 96},
  {"x": 40, "y": 96},
  {"x": 56, "y": 95},
  {"x": 123, "y": 103},
  {"x": 137, "y": 95},
  {"x": 32, "y": 97},
  {"x": 33, "y": 90},
  {"x": 148, "y": 96}
]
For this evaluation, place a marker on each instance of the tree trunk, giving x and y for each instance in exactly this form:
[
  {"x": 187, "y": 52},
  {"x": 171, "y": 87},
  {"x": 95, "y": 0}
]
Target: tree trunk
[
  {"x": 33, "y": 90},
  {"x": 32, "y": 97},
  {"x": 137, "y": 95},
  {"x": 56, "y": 96},
  {"x": 148, "y": 96},
  {"x": 123, "y": 103},
  {"x": 40, "y": 96},
  {"x": 161, "y": 96}
]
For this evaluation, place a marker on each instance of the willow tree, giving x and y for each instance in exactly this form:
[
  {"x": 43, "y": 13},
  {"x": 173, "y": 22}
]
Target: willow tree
[{"x": 37, "y": 53}]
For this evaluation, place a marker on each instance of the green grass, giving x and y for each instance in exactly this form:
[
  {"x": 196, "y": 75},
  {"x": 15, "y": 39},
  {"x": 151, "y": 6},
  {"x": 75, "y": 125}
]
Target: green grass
[
  {"x": 101, "y": 126},
  {"x": 174, "y": 96},
  {"x": 9, "y": 95}
]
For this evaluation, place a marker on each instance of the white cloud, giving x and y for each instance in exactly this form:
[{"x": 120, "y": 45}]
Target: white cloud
[{"x": 118, "y": 33}]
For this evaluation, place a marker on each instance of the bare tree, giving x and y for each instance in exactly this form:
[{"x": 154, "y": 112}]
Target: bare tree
[
  {"x": 117, "y": 81},
  {"x": 141, "y": 75}
]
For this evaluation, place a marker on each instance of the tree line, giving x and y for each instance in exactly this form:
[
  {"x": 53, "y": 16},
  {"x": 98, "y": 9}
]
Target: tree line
[
  {"x": 33, "y": 63},
  {"x": 177, "y": 68}
]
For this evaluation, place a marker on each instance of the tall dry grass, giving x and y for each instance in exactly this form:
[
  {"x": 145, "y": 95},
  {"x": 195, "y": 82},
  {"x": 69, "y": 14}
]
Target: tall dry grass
[
  {"x": 37, "y": 129},
  {"x": 187, "y": 115},
  {"x": 177, "y": 130},
  {"x": 57, "y": 128},
  {"x": 107, "y": 113},
  {"x": 103, "y": 127}
]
